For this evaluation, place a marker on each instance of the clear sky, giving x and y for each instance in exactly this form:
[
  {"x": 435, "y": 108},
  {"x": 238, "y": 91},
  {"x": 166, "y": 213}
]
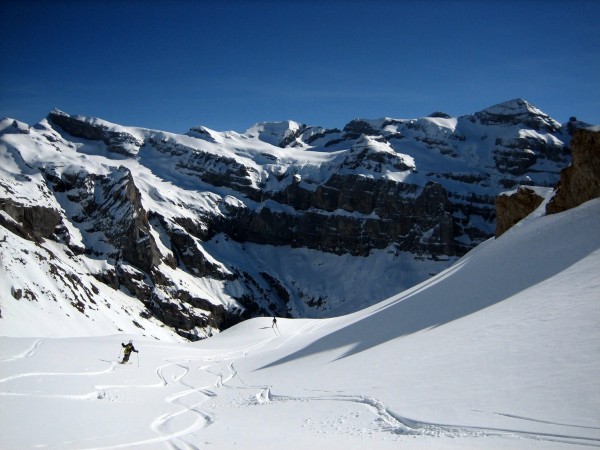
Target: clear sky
[{"x": 174, "y": 64}]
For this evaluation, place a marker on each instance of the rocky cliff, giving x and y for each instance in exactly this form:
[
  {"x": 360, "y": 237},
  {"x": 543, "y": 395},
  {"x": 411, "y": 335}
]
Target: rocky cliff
[
  {"x": 208, "y": 228},
  {"x": 512, "y": 207},
  {"x": 578, "y": 183}
]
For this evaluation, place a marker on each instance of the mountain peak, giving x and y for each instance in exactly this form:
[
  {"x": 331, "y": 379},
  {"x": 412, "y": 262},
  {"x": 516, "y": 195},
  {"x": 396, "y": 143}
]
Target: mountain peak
[
  {"x": 276, "y": 133},
  {"x": 513, "y": 107},
  {"x": 515, "y": 112}
]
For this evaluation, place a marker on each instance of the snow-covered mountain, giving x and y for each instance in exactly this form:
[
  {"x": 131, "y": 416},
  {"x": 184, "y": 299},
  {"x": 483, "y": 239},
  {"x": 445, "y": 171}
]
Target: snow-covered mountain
[
  {"x": 142, "y": 229},
  {"x": 499, "y": 351}
]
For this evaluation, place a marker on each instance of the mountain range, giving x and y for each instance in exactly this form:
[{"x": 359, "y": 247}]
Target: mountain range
[{"x": 183, "y": 235}]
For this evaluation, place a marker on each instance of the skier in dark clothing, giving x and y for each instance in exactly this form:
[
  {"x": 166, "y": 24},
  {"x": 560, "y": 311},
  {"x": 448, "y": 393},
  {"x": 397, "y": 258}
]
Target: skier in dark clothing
[{"x": 128, "y": 349}]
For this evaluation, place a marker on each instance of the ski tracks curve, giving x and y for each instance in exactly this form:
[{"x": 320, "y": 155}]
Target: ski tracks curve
[
  {"x": 394, "y": 423},
  {"x": 189, "y": 418},
  {"x": 391, "y": 422},
  {"x": 31, "y": 351},
  {"x": 177, "y": 427}
]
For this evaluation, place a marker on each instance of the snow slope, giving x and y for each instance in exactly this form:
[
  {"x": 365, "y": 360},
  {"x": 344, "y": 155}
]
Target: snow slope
[{"x": 501, "y": 350}]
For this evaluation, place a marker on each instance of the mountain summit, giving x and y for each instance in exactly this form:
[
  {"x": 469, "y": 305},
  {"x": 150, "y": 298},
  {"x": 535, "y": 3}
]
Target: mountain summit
[{"x": 518, "y": 111}]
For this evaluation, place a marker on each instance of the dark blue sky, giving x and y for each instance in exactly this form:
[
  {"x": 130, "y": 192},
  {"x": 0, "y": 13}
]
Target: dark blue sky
[{"x": 171, "y": 65}]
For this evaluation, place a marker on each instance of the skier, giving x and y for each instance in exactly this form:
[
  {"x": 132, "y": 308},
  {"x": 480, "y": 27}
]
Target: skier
[
  {"x": 128, "y": 349},
  {"x": 274, "y": 326}
]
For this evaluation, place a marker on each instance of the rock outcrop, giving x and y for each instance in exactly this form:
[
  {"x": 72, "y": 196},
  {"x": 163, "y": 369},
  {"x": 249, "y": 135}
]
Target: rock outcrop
[
  {"x": 580, "y": 181},
  {"x": 117, "y": 140},
  {"x": 514, "y": 207},
  {"x": 31, "y": 222}
]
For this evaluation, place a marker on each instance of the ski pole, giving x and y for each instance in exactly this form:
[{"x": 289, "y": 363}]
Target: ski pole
[{"x": 138, "y": 355}]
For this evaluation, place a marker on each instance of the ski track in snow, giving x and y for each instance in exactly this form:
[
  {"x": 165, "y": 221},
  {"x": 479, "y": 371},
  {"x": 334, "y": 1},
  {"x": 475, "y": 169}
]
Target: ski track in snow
[
  {"x": 54, "y": 374},
  {"x": 166, "y": 423},
  {"x": 393, "y": 423},
  {"x": 387, "y": 420},
  {"x": 175, "y": 425},
  {"x": 311, "y": 326},
  {"x": 31, "y": 351},
  {"x": 176, "y": 428},
  {"x": 513, "y": 416}
]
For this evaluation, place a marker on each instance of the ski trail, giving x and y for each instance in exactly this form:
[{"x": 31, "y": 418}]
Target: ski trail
[
  {"x": 160, "y": 374},
  {"x": 392, "y": 422},
  {"x": 52, "y": 374},
  {"x": 31, "y": 351},
  {"x": 175, "y": 425},
  {"x": 167, "y": 423},
  {"x": 89, "y": 396},
  {"x": 244, "y": 351},
  {"x": 530, "y": 419},
  {"x": 228, "y": 353},
  {"x": 97, "y": 393},
  {"x": 222, "y": 381},
  {"x": 306, "y": 329}
]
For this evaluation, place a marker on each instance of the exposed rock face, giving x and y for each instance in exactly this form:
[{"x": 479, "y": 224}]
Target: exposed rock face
[
  {"x": 580, "y": 181},
  {"x": 354, "y": 214},
  {"x": 348, "y": 212},
  {"x": 216, "y": 170},
  {"x": 31, "y": 222},
  {"x": 117, "y": 141},
  {"x": 111, "y": 207},
  {"x": 510, "y": 209}
]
